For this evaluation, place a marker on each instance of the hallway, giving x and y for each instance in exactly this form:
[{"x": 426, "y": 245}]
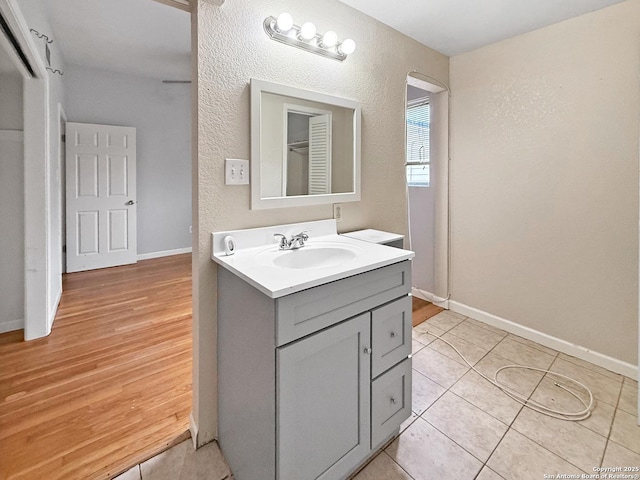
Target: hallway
[{"x": 111, "y": 386}]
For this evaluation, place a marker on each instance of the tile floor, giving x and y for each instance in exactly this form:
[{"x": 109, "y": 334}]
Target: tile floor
[{"x": 463, "y": 428}]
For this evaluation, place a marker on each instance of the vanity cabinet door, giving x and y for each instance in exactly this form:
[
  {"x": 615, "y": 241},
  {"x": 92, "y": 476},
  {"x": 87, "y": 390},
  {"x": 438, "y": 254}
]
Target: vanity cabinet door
[{"x": 323, "y": 406}]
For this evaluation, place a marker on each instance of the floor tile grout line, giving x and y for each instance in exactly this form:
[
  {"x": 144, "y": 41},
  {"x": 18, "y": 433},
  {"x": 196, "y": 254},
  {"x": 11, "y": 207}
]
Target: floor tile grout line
[
  {"x": 568, "y": 357},
  {"x": 613, "y": 418},
  {"x": 451, "y": 439},
  {"x": 515, "y": 338},
  {"x": 510, "y": 425},
  {"x": 444, "y": 393},
  {"x": 604, "y": 452},
  {"x": 556, "y": 356},
  {"x": 460, "y": 378},
  {"x": 481, "y": 346},
  {"x": 545, "y": 448},
  {"x": 384, "y": 452},
  {"x": 592, "y": 371},
  {"x": 534, "y": 441},
  {"x": 460, "y": 361}
]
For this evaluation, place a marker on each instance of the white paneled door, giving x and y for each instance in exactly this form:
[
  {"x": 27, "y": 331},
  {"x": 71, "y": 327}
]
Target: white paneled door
[{"x": 101, "y": 196}]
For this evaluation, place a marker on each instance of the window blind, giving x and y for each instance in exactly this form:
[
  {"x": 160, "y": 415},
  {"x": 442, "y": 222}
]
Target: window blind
[{"x": 418, "y": 124}]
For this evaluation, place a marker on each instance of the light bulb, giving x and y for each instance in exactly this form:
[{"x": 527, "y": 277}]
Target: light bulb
[
  {"x": 329, "y": 39},
  {"x": 347, "y": 47},
  {"x": 307, "y": 31},
  {"x": 284, "y": 22}
]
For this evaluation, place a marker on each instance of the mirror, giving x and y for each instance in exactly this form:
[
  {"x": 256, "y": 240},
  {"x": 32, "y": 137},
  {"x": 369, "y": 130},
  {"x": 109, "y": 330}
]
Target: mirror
[{"x": 305, "y": 147}]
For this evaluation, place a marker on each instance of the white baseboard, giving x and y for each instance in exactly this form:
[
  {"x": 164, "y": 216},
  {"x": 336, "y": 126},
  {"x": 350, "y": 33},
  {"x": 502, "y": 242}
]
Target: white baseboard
[
  {"x": 11, "y": 325},
  {"x": 164, "y": 253},
  {"x": 429, "y": 297},
  {"x": 193, "y": 428},
  {"x": 600, "y": 359}
]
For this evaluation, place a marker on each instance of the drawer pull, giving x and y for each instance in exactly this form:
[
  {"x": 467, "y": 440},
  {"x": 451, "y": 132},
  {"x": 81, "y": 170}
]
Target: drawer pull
[
  {"x": 393, "y": 400},
  {"x": 393, "y": 334},
  {"x": 367, "y": 350}
]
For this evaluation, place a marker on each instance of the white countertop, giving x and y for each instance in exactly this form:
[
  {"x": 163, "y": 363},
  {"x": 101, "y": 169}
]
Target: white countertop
[
  {"x": 375, "y": 236},
  {"x": 276, "y": 281}
]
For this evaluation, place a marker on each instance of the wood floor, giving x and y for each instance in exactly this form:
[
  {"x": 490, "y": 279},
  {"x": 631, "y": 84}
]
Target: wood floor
[
  {"x": 111, "y": 385},
  {"x": 423, "y": 310}
]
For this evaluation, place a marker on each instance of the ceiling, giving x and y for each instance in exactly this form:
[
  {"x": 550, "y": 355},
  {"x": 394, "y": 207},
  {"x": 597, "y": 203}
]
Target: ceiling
[
  {"x": 456, "y": 26},
  {"x": 140, "y": 37},
  {"x": 147, "y": 38}
]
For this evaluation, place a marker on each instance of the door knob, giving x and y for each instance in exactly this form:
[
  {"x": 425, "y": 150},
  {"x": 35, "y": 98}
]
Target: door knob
[
  {"x": 367, "y": 350},
  {"x": 130, "y": 202}
]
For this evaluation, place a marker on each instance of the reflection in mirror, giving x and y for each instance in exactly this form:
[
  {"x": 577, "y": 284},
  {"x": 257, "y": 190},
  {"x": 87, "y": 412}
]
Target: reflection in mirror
[
  {"x": 307, "y": 159},
  {"x": 305, "y": 147}
]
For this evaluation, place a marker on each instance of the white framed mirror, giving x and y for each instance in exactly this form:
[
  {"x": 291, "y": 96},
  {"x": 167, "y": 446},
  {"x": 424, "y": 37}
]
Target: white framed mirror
[{"x": 305, "y": 147}]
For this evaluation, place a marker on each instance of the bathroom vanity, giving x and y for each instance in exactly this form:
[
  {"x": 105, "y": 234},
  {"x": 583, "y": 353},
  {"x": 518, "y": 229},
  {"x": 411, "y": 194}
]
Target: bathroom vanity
[{"x": 314, "y": 371}]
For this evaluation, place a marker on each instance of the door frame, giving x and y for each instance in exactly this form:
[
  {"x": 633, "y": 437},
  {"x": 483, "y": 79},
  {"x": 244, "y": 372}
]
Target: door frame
[
  {"x": 440, "y": 95},
  {"x": 62, "y": 200},
  {"x": 37, "y": 317}
]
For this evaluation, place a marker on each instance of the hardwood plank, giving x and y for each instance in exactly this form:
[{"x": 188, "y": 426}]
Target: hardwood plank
[
  {"x": 423, "y": 310},
  {"x": 111, "y": 386}
]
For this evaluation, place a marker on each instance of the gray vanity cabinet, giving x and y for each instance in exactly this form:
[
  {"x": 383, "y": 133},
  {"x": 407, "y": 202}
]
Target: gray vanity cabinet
[{"x": 313, "y": 383}]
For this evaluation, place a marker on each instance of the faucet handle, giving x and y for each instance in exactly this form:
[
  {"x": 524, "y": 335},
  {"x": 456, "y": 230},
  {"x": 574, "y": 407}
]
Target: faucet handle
[
  {"x": 284, "y": 243},
  {"x": 300, "y": 238}
]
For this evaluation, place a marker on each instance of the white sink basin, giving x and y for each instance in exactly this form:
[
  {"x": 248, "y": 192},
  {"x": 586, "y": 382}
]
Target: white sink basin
[{"x": 310, "y": 256}]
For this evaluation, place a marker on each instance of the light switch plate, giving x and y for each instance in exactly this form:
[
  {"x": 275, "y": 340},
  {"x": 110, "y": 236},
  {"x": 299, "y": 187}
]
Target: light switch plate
[{"x": 236, "y": 171}]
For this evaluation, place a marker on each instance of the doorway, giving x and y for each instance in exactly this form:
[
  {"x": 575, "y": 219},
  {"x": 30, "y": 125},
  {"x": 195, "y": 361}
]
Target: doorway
[
  {"x": 123, "y": 316},
  {"x": 427, "y": 165}
]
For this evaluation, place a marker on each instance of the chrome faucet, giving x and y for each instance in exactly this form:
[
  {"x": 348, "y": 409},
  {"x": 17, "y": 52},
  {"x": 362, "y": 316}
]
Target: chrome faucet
[{"x": 296, "y": 241}]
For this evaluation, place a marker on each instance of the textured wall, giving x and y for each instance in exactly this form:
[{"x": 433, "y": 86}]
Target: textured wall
[
  {"x": 12, "y": 238},
  {"x": 545, "y": 179},
  {"x": 232, "y": 48},
  {"x": 11, "y": 117},
  {"x": 161, "y": 115},
  {"x": 11, "y": 203}
]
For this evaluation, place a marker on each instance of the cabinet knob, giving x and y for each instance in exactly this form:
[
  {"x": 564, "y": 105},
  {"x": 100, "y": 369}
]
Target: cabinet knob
[
  {"x": 367, "y": 350},
  {"x": 393, "y": 334},
  {"x": 393, "y": 400}
]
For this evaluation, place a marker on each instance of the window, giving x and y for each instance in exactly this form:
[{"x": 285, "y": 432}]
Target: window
[{"x": 418, "y": 122}]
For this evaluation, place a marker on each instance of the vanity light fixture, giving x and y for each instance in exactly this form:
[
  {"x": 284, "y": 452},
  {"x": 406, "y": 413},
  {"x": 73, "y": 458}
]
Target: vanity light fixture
[{"x": 306, "y": 37}]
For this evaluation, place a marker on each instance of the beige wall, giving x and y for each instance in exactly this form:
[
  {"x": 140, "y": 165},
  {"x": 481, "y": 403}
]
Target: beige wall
[
  {"x": 232, "y": 47},
  {"x": 545, "y": 179}
]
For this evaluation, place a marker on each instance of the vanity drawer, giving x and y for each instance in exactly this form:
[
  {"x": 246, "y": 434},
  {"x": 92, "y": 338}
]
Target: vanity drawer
[
  {"x": 390, "y": 335},
  {"x": 390, "y": 402},
  {"x": 308, "y": 311}
]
